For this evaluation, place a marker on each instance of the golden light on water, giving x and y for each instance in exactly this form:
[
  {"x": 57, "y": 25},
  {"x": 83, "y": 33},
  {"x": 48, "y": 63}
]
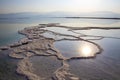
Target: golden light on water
[{"x": 86, "y": 50}]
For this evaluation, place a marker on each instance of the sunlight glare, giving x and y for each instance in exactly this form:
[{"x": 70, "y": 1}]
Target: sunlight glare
[{"x": 86, "y": 50}]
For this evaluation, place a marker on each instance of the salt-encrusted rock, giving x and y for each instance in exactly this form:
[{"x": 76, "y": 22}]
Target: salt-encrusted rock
[
  {"x": 25, "y": 68},
  {"x": 17, "y": 44},
  {"x": 43, "y": 24},
  {"x": 4, "y": 48},
  {"x": 52, "y": 24},
  {"x": 16, "y": 55},
  {"x": 25, "y": 41}
]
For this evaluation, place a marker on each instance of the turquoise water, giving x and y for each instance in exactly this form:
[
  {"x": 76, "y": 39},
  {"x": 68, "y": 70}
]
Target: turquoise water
[{"x": 9, "y": 33}]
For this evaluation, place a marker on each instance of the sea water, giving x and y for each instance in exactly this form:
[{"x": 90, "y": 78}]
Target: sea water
[{"x": 105, "y": 66}]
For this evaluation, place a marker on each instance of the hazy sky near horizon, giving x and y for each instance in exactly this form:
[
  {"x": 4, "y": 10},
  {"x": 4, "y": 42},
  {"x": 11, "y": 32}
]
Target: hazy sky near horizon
[{"x": 14, "y": 6}]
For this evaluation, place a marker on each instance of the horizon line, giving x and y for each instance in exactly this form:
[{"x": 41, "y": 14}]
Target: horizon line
[{"x": 58, "y": 11}]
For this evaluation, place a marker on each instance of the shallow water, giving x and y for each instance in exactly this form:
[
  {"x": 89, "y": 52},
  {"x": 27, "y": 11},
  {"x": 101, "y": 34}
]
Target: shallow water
[
  {"x": 9, "y": 32},
  {"x": 45, "y": 66},
  {"x": 8, "y": 67},
  {"x": 105, "y": 66},
  {"x": 76, "y": 48}
]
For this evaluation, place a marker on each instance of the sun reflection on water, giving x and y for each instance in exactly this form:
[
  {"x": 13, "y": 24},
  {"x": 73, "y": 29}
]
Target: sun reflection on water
[{"x": 86, "y": 50}]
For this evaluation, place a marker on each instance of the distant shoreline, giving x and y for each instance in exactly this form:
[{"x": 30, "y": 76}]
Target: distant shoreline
[
  {"x": 92, "y": 18},
  {"x": 114, "y": 18}
]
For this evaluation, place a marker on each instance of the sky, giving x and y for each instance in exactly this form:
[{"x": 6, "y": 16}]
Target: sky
[{"x": 15, "y": 6}]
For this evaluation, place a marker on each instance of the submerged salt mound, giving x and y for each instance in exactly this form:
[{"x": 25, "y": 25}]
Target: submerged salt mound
[
  {"x": 36, "y": 47},
  {"x": 38, "y": 44},
  {"x": 45, "y": 66}
]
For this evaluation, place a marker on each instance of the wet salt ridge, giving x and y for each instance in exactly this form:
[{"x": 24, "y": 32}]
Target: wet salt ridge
[{"x": 50, "y": 52}]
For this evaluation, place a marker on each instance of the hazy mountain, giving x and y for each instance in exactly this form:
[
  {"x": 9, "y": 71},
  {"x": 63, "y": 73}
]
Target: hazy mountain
[
  {"x": 19, "y": 15},
  {"x": 100, "y": 14},
  {"x": 59, "y": 14}
]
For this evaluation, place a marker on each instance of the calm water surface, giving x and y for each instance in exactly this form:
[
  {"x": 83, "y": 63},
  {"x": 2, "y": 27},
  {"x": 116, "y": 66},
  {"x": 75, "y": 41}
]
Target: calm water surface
[{"x": 105, "y": 66}]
